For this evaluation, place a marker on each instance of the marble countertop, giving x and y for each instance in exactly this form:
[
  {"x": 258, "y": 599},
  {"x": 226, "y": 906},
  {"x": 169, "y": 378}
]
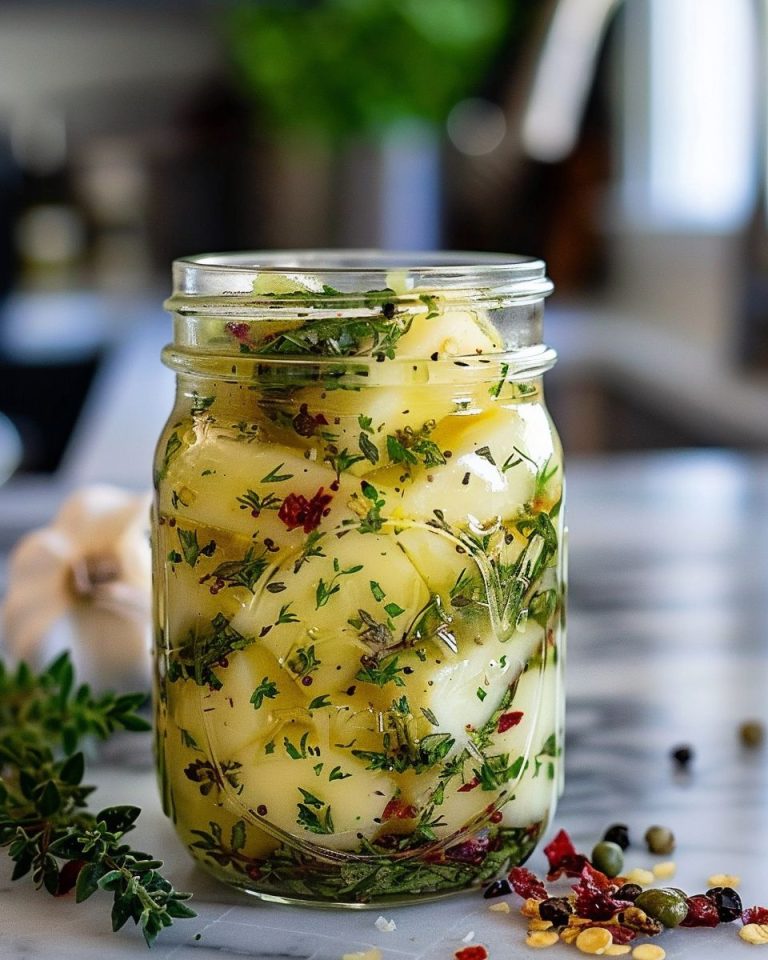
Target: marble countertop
[{"x": 668, "y": 644}]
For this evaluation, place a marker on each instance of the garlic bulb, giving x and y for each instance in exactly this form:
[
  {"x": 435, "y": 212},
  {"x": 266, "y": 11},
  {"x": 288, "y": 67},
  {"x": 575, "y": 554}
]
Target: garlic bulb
[{"x": 85, "y": 582}]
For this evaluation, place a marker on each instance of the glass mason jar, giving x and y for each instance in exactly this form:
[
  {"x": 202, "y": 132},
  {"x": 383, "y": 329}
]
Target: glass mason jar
[{"x": 359, "y": 573}]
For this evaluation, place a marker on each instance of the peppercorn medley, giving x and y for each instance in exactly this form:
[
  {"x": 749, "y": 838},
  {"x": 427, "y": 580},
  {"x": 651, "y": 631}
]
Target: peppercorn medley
[
  {"x": 358, "y": 568},
  {"x": 604, "y": 912}
]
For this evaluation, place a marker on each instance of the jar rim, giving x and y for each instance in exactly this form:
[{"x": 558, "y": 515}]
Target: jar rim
[{"x": 359, "y": 270}]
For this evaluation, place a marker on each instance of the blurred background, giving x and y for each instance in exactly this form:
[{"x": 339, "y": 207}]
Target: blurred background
[{"x": 623, "y": 142}]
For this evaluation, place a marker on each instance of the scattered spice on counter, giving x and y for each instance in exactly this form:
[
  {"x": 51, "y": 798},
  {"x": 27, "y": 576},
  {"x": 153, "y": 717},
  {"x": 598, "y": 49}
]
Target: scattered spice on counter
[
  {"x": 604, "y": 913},
  {"x": 475, "y": 952},
  {"x": 660, "y": 839},
  {"x": 752, "y": 733},
  {"x": 682, "y": 756}
]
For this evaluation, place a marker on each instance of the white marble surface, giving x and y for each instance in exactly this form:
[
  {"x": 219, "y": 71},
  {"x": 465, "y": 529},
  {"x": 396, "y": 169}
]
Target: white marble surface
[{"x": 668, "y": 643}]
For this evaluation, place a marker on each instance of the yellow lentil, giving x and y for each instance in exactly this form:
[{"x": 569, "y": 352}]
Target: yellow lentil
[
  {"x": 373, "y": 954},
  {"x": 539, "y": 924},
  {"x": 723, "y": 880},
  {"x": 594, "y": 940},
  {"x": 541, "y": 938},
  {"x": 643, "y": 878},
  {"x": 754, "y": 933},
  {"x": 569, "y": 934},
  {"x": 530, "y": 908},
  {"x": 501, "y": 907},
  {"x": 665, "y": 869},
  {"x": 618, "y": 950},
  {"x": 648, "y": 951}
]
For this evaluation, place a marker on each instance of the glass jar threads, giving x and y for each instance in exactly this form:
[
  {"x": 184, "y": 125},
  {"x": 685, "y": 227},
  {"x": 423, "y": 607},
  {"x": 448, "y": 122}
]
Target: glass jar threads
[{"x": 358, "y": 572}]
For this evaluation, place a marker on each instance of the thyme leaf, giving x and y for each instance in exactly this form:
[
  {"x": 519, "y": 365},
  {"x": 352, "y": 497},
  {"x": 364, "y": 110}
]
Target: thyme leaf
[{"x": 44, "y": 821}]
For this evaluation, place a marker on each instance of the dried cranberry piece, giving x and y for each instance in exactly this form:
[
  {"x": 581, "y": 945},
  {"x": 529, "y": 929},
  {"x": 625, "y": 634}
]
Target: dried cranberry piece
[
  {"x": 727, "y": 901},
  {"x": 526, "y": 884},
  {"x": 238, "y": 330},
  {"x": 469, "y": 785},
  {"x": 755, "y": 915},
  {"x": 305, "y": 424},
  {"x": 701, "y": 912},
  {"x": 556, "y": 910},
  {"x": 563, "y": 858},
  {"x": 594, "y": 895}
]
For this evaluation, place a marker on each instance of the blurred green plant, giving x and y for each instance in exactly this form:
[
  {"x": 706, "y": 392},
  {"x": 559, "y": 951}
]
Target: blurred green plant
[{"x": 333, "y": 68}]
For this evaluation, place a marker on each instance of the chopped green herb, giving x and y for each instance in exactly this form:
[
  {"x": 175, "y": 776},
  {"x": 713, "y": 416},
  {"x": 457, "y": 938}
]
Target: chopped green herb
[
  {"x": 242, "y": 573},
  {"x": 368, "y": 448},
  {"x": 319, "y": 702},
  {"x": 200, "y": 404},
  {"x": 393, "y": 609},
  {"x": 378, "y": 593},
  {"x": 337, "y": 774},
  {"x": 285, "y": 616},
  {"x": 266, "y": 689},
  {"x": 430, "y": 716},
  {"x": 274, "y": 477},
  {"x": 381, "y": 673},
  {"x": 481, "y": 694},
  {"x": 304, "y": 662},
  {"x": 251, "y": 500},
  {"x": 190, "y": 548},
  {"x": 310, "y": 549},
  {"x": 325, "y": 591},
  {"x": 485, "y": 453}
]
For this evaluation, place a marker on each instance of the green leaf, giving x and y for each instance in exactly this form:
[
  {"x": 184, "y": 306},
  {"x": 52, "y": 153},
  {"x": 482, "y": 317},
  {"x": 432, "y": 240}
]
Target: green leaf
[
  {"x": 398, "y": 453},
  {"x": 393, "y": 609},
  {"x": 378, "y": 593},
  {"x": 48, "y": 799},
  {"x": 73, "y": 769},
  {"x": 267, "y": 689},
  {"x": 190, "y": 548},
  {"x": 237, "y": 836},
  {"x": 368, "y": 448},
  {"x": 119, "y": 819},
  {"x": 274, "y": 477}
]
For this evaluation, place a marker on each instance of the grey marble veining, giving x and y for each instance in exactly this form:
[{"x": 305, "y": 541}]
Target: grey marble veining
[{"x": 668, "y": 643}]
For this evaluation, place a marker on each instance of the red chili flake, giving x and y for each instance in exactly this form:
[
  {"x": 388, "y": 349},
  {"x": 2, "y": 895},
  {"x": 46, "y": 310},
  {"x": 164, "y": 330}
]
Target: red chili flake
[
  {"x": 527, "y": 884},
  {"x": 755, "y": 915},
  {"x": 475, "y": 952},
  {"x": 563, "y": 858},
  {"x": 297, "y": 511},
  {"x": 240, "y": 331},
  {"x": 469, "y": 785},
  {"x": 397, "y": 809},
  {"x": 594, "y": 900},
  {"x": 701, "y": 912},
  {"x": 509, "y": 720}
]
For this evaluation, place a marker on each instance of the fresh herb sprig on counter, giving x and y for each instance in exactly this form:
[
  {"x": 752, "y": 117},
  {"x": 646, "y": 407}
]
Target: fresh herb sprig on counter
[{"x": 44, "y": 822}]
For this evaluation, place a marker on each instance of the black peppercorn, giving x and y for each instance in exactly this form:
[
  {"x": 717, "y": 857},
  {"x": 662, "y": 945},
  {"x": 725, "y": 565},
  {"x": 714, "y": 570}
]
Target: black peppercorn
[
  {"x": 556, "y": 910},
  {"x": 499, "y": 888},
  {"x": 682, "y": 755},
  {"x": 727, "y": 901},
  {"x": 628, "y": 891},
  {"x": 618, "y": 833}
]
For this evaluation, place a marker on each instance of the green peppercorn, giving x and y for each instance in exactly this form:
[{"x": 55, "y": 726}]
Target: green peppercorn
[
  {"x": 663, "y": 904},
  {"x": 608, "y": 857},
  {"x": 660, "y": 839}
]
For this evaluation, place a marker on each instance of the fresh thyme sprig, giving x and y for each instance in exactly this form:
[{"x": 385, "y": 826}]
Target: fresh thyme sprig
[{"x": 44, "y": 822}]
